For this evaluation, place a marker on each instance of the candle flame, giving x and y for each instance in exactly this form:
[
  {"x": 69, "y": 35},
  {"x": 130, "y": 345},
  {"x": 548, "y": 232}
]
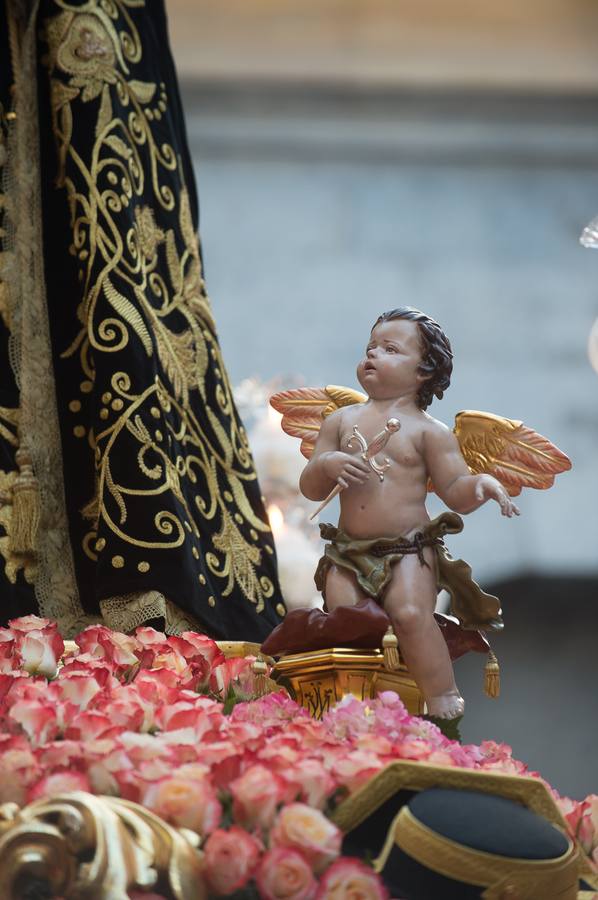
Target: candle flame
[{"x": 276, "y": 519}]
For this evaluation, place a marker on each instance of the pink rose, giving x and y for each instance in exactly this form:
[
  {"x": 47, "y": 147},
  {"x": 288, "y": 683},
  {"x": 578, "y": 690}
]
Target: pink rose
[
  {"x": 19, "y": 768},
  {"x": 440, "y": 758},
  {"x": 169, "y": 658},
  {"x": 311, "y": 781},
  {"x": 230, "y": 859},
  {"x": 354, "y": 769},
  {"x": 58, "y": 783},
  {"x": 183, "y": 715},
  {"x": 413, "y": 748},
  {"x": 256, "y": 795},
  {"x": 77, "y": 687},
  {"x": 308, "y": 830},
  {"x": 90, "y": 725},
  {"x": 40, "y": 651},
  {"x": 149, "y": 637},
  {"x": 37, "y": 719},
  {"x": 9, "y": 659},
  {"x": 30, "y": 623},
  {"x": 118, "y": 649},
  {"x": 38, "y": 644},
  {"x": 227, "y": 672},
  {"x": 284, "y": 874},
  {"x": 92, "y": 667},
  {"x": 128, "y": 710},
  {"x": 185, "y": 802},
  {"x": 582, "y": 819},
  {"x": 204, "y": 646},
  {"x": 7, "y": 681},
  {"x": 351, "y": 878},
  {"x": 157, "y": 685},
  {"x": 61, "y": 755}
]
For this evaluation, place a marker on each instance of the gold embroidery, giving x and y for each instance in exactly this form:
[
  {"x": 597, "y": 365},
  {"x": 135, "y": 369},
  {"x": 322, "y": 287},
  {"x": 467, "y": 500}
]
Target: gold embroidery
[
  {"x": 9, "y": 422},
  {"x": 130, "y": 297}
]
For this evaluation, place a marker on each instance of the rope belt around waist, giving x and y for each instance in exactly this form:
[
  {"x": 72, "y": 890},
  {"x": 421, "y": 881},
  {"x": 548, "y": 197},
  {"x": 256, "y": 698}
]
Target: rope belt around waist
[{"x": 416, "y": 545}]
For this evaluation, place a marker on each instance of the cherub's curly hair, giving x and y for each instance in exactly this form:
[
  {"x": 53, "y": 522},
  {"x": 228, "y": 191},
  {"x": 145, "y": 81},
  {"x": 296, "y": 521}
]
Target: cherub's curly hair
[{"x": 437, "y": 356}]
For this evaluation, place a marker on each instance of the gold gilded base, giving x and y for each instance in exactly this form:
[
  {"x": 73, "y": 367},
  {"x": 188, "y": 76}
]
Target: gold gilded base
[{"x": 320, "y": 678}]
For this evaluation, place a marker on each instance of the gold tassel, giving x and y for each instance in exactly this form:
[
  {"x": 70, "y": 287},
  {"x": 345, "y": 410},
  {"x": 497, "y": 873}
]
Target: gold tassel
[
  {"x": 25, "y": 506},
  {"x": 260, "y": 677},
  {"x": 492, "y": 677},
  {"x": 391, "y": 651}
]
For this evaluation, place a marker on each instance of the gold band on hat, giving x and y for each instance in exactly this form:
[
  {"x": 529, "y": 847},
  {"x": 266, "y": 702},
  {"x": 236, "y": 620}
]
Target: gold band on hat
[{"x": 502, "y": 876}]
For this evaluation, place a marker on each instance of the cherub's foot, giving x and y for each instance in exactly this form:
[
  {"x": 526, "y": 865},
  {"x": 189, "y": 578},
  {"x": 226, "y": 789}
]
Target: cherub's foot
[{"x": 446, "y": 706}]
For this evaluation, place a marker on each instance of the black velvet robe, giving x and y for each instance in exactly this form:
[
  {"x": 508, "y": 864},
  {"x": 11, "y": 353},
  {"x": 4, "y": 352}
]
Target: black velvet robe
[{"x": 160, "y": 495}]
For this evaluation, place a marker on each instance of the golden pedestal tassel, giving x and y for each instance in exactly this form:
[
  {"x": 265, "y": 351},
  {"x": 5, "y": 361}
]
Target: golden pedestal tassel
[{"x": 320, "y": 678}]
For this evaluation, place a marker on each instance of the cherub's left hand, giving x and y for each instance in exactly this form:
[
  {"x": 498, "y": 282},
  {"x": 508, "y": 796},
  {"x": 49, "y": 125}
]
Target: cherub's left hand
[{"x": 488, "y": 488}]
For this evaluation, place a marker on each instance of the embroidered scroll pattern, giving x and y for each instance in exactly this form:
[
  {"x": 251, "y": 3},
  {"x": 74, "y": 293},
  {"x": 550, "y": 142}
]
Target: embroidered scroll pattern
[{"x": 173, "y": 446}]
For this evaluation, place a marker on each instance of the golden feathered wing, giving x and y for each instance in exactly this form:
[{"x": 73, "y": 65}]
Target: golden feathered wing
[
  {"x": 304, "y": 409},
  {"x": 514, "y": 453}
]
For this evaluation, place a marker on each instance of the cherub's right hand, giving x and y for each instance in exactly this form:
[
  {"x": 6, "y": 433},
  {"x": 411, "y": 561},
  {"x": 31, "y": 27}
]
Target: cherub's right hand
[{"x": 345, "y": 469}]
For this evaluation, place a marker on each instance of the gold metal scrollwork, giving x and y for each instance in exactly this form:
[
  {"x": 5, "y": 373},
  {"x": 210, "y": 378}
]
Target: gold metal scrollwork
[{"x": 78, "y": 845}]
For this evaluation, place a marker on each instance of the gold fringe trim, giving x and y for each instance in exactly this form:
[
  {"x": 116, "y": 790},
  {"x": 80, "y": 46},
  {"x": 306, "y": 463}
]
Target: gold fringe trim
[
  {"x": 390, "y": 645},
  {"x": 492, "y": 677},
  {"x": 25, "y": 506},
  {"x": 260, "y": 673}
]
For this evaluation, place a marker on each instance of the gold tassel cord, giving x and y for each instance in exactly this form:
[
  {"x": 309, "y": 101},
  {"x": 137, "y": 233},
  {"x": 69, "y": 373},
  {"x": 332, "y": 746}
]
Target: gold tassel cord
[
  {"x": 25, "y": 506},
  {"x": 390, "y": 646},
  {"x": 260, "y": 674},
  {"x": 492, "y": 677}
]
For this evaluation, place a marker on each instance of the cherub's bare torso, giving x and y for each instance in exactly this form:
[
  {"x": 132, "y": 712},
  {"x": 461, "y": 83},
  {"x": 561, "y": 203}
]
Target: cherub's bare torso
[
  {"x": 396, "y": 505},
  {"x": 394, "y": 373}
]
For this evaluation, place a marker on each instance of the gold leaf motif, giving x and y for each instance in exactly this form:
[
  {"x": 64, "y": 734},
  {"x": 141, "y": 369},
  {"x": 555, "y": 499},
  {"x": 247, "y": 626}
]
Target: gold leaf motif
[
  {"x": 241, "y": 559},
  {"x": 105, "y": 113},
  {"x": 143, "y": 90},
  {"x": 118, "y": 145},
  {"x": 129, "y": 313},
  {"x": 173, "y": 262},
  {"x": 242, "y": 502}
]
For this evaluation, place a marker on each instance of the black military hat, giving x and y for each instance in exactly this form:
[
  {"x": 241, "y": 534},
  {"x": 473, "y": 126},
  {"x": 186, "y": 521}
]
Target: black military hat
[{"x": 439, "y": 833}]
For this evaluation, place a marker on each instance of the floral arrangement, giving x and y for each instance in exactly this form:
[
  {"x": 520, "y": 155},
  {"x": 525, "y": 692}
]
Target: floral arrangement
[{"x": 166, "y": 722}]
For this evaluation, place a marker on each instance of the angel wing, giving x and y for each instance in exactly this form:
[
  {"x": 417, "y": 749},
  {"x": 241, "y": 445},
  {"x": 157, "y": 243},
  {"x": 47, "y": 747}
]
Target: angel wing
[
  {"x": 304, "y": 409},
  {"x": 514, "y": 453}
]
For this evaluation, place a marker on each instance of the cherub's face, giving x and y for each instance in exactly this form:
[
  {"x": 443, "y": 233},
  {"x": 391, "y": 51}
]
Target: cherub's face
[{"x": 389, "y": 368}]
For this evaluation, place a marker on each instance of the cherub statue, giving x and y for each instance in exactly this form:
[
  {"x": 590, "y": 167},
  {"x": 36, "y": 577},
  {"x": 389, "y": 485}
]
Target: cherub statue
[{"x": 385, "y": 546}]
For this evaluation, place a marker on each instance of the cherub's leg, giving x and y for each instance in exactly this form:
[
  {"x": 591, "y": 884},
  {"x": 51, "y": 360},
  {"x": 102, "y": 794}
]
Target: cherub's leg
[
  {"x": 341, "y": 588},
  {"x": 409, "y": 600}
]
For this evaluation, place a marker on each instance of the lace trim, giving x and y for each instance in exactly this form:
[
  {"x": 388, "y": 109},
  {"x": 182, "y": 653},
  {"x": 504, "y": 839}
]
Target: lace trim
[
  {"x": 30, "y": 345},
  {"x": 127, "y": 612}
]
